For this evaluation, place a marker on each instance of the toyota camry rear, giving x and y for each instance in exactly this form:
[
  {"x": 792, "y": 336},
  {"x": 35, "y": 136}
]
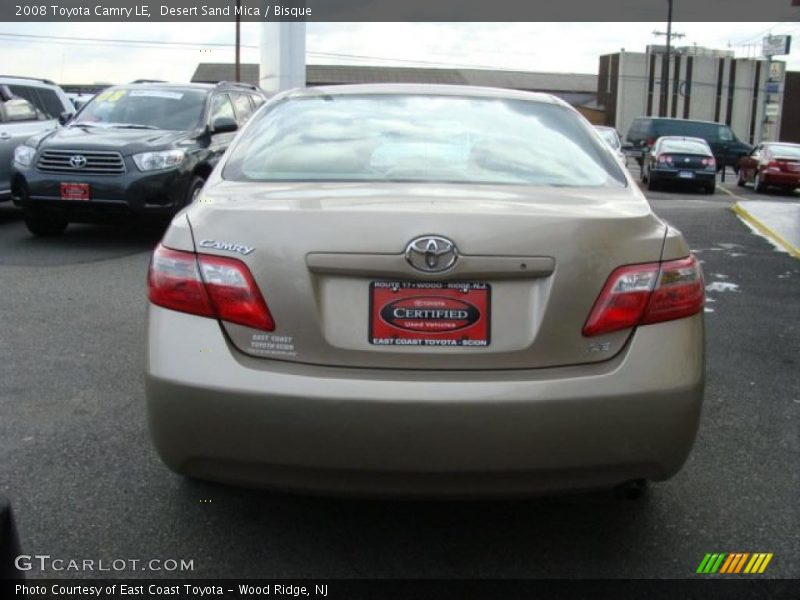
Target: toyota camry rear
[{"x": 423, "y": 290}]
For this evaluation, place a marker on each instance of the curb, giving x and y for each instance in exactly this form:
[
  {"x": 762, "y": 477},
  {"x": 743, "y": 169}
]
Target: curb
[{"x": 766, "y": 230}]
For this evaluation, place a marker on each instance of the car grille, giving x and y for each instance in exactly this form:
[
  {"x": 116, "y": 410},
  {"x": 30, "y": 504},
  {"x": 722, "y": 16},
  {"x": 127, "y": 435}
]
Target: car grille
[{"x": 97, "y": 162}]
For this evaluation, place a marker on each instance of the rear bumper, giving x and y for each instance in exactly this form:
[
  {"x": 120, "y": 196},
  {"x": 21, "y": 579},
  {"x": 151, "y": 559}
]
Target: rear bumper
[
  {"x": 217, "y": 414},
  {"x": 704, "y": 177},
  {"x": 781, "y": 178}
]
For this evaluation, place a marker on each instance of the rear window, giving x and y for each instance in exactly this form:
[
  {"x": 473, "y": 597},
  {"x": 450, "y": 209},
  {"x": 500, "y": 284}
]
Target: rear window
[
  {"x": 684, "y": 147},
  {"x": 419, "y": 138},
  {"x": 785, "y": 151}
]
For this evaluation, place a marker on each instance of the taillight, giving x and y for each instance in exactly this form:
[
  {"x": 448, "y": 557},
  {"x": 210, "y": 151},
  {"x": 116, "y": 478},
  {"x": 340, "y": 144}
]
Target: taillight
[
  {"x": 664, "y": 159},
  {"x": 644, "y": 294},
  {"x": 207, "y": 285},
  {"x": 651, "y": 141},
  {"x": 709, "y": 163}
]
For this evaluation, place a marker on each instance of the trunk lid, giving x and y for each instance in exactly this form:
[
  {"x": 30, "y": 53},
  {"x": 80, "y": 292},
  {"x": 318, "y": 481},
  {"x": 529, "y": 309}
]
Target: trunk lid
[{"x": 315, "y": 249}]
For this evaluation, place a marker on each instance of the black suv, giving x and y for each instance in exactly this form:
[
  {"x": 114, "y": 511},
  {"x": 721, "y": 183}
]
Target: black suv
[
  {"x": 143, "y": 149},
  {"x": 726, "y": 147}
]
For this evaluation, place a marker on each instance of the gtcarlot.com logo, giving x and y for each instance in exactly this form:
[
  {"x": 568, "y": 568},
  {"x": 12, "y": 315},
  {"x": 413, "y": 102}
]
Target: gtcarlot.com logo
[
  {"x": 45, "y": 562},
  {"x": 735, "y": 563}
]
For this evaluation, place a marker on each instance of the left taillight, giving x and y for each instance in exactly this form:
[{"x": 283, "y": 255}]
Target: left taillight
[
  {"x": 208, "y": 286},
  {"x": 648, "y": 293}
]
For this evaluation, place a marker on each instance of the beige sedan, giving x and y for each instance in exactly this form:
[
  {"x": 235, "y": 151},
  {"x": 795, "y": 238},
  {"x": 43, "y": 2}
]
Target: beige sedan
[{"x": 423, "y": 290}]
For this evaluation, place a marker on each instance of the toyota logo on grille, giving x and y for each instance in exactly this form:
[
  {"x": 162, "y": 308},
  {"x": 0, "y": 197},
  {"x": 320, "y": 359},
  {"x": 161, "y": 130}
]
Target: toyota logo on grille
[
  {"x": 431, "y": 253},
  {"x": 77, "y": 161}
]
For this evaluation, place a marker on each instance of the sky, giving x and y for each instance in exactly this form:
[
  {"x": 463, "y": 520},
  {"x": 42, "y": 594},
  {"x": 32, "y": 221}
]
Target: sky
[{"x": 171, "y": 51}]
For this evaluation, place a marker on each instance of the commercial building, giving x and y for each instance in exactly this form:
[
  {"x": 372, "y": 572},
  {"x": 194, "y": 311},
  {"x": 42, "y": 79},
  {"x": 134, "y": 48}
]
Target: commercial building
[{"x": 711, "y": 85}]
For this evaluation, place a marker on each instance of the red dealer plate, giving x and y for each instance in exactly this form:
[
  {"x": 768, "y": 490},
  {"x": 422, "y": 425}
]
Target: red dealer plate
[
  {"x": 416, "y": 313},
  {"x": 74, "y": 191}
]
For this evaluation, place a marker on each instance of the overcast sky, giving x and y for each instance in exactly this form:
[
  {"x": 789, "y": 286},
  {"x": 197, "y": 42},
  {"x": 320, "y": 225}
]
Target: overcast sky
[{"x": 556, "y": 47}]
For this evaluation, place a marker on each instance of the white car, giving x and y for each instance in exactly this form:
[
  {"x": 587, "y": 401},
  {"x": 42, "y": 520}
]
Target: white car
[{"x": 611, "y": 137}]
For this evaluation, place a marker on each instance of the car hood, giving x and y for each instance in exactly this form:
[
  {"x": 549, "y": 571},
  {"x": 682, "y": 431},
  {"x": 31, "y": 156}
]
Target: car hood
[{"x": 125, "y": 141}]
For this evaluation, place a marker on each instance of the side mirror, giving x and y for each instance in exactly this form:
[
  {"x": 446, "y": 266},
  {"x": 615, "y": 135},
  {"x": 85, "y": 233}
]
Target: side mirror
[
  {"x": 5, "y": 93},
  {"x": 223, "y": 125},
  {"x": 65, "y": 117}
]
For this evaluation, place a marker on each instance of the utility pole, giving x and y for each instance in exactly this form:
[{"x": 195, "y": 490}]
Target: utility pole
[
  {"x": 238, "y": 40},
  {"x": 662, "y": 105}
]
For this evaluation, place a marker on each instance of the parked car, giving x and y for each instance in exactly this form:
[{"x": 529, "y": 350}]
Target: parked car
[
  {"x": 680, "y": 160},
  {"x": 20, "y": 118},
  {"x": 134, "y": 150},
  {"x": 410, "y": 289},
  {"x": 611, "y": 137},
  {"x": 771, "y": 164},
  {"x": 727, "y": 148}
]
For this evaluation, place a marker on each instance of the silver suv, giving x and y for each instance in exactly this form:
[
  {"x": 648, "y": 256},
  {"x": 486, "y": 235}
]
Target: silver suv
[{"x": 27, "y": 106}]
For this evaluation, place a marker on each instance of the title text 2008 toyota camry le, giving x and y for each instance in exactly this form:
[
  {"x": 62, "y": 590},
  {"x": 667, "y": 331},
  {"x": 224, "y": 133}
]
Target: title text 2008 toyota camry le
[{"x": 412, "y": 290}]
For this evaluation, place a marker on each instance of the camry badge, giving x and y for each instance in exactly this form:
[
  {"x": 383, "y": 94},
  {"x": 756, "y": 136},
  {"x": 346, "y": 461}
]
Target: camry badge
[
  {"x": 77, "y": 161},
  {"x": 228, "y": 246},
  {"x": 431, "y": 253}
]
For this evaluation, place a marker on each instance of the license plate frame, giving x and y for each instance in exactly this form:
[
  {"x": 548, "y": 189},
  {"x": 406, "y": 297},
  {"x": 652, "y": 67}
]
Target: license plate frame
[
  {"x": 430, "y": 314},
  {"x": 76, "y": 191},
  {"x": 686, "y": 174}
]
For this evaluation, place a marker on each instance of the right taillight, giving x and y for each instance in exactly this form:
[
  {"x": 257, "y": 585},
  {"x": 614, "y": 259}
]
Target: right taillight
[
  {"x": 208, "y": 286},
  {"x": 649, "y": 293}
]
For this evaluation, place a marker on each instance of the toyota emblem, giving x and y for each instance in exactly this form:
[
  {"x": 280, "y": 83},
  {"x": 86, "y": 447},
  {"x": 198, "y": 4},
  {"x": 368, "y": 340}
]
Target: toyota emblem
[
  {"x": 431, "y": 253},
  {"x": 77, "y": 161}
]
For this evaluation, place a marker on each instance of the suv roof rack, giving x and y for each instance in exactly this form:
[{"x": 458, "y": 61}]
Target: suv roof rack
[
  {"x": 47, "y": 81},
  {"x": 241, "y": 84}
]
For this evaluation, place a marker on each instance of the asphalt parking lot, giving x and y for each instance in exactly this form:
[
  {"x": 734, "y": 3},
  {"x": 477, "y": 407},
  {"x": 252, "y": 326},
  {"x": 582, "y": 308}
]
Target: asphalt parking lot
[{"x": 77, "y": 463}]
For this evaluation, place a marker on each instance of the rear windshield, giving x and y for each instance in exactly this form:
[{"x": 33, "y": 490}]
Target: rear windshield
[
  {"x": 393, "y": 137},
  {"x": 685, "y": 147},
  {"x": 174, "y": 109},
  {"x": 785, "y": 151}
]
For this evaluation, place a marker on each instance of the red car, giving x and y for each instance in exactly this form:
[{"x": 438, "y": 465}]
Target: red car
[{"x": 771, "y": 164}]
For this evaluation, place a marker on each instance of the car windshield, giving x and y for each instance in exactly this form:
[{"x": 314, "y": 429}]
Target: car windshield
[
  {"x": 172, "y": 109},
  {"x": 428, "y": 138},
  {"x": 684, "y": 147},
  {"x": 785, "y": 150},
  {"x": 610, "y": 137}
]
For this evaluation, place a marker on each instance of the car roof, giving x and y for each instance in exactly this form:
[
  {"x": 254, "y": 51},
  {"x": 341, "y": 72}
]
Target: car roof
[
  {"x": 19, "y": 79},
  {"x": 424, "y": 90},
  {"x": 676, "y": 119},
  {"x": 682, "y": 138}
]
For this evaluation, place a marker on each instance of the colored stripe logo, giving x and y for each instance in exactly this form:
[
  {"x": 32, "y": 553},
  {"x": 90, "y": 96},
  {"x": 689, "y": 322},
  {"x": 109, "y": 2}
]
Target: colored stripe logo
[{"x": 734, "y": 563}]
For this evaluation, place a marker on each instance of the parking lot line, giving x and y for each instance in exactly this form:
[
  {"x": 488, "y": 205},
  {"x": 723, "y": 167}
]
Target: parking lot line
[{"x": 765, "y": 229}]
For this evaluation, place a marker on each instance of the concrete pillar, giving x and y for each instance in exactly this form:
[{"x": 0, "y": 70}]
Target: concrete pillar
[{"x": 283, "y": 56}]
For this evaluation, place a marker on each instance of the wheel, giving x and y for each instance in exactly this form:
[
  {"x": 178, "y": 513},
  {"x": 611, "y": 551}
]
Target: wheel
[
  {"x": 652, "y": 184},
  {"x": 45, "y": 226},
  {"x": 758, "y": 184},
  {"x": 740, "y": 178},
  {"x": 632, "y": 490},
  {"x": 710, "y": 188},
  {"x": 195, "y": 186}
]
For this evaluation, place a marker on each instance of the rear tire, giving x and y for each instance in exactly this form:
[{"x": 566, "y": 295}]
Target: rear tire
[
  {"x": 710, "y": 188},
  {"x": 45, "y": 226},
  {"x": 652, "y": 184},
  {"x": 758, "y": 184}
]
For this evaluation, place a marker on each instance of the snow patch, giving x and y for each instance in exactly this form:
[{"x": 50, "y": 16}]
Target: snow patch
[{"x": 722, "y": 286}]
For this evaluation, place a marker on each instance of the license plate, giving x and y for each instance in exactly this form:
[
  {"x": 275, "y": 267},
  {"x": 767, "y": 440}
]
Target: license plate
[
  {"x": 74, "y": 191},
  {"x": 686, "y": 174},
  {"x": 410, "y": 313}
]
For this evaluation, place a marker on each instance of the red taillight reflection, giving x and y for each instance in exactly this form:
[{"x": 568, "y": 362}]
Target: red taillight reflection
[
  {"x": 645, "y": 294},
  {"x": 209, "y": 286}
]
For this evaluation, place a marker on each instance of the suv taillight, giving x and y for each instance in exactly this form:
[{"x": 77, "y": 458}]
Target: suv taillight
[
  {"x": 649, "y": 293},
  {"x": 208, "y": 286}
]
